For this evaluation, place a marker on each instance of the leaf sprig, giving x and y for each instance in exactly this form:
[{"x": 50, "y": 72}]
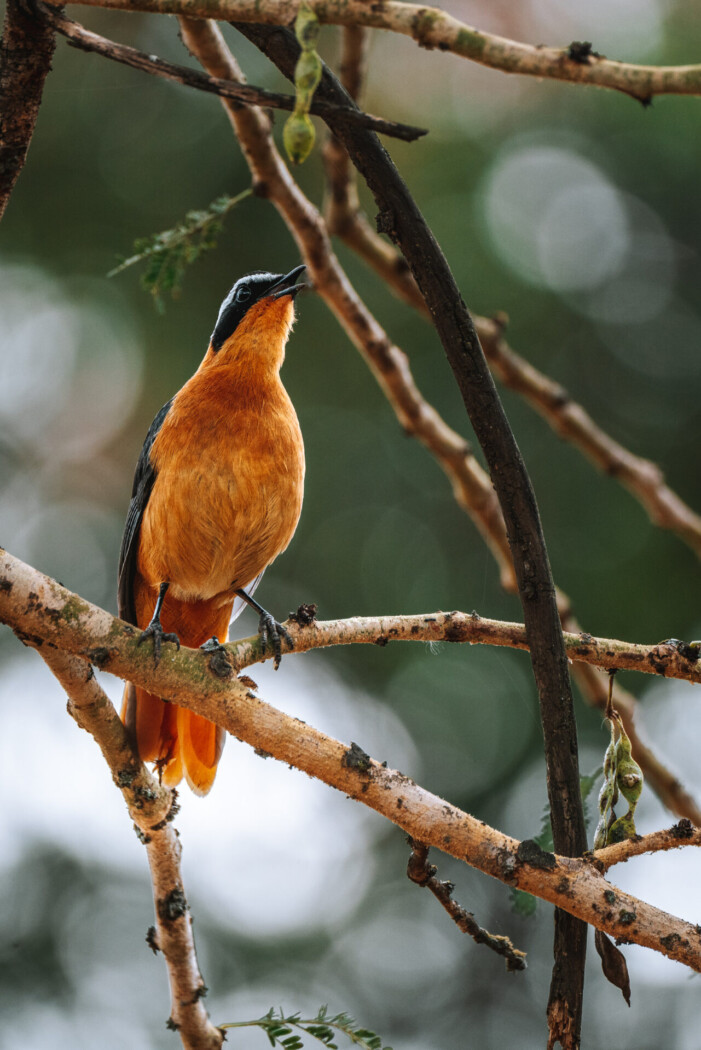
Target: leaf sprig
[
  {"x": 287, "y": 1030},
  {"x": 168, "y": 254}
]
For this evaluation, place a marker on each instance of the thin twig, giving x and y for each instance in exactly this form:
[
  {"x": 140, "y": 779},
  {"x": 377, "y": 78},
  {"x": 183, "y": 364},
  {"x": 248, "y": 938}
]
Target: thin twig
[
  {"x": 424, "y": 874},
  {"x": 80, "y": 37},
  {"x": 26, "y": 50},
  {"x": 152, "y": 808},
  {"x": 47, "y": 615},
  {"x": 431, "y": 28},
  {"x": 682, "y": 834}
]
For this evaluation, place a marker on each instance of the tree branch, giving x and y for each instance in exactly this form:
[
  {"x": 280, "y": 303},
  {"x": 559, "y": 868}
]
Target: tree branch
[
  {"x": 424, "y": 874},
  {"x": 431, "y": 28},
  {"x": 90, "y": 632},
  {"x": 682, "y": 834},
  {"x": 152, "y": 809},
  {"x": 26, "y": 50},
  {"x": 570, "y": 420},
  {"x": 402, "y": 220},
  {"x": 85, "y": 40},
  {"x": 47, "y": 616}
]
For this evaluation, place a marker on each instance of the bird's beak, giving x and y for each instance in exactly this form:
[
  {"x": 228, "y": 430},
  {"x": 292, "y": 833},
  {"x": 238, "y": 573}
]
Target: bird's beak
[{"x": 287, "y": 285}]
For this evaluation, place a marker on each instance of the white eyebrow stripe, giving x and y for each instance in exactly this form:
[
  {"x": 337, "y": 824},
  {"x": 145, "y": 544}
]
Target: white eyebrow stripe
[{"x": 260, "y": 276}]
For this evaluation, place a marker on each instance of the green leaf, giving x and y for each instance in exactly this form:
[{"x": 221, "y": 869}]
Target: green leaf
[{"x": 168, "y": 254}]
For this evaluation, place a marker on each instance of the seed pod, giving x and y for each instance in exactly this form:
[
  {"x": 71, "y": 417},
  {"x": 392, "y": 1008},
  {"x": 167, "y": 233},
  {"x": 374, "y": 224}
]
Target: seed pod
[
  {"x": 306, "y": 27},
  {"x": 623, "y": 828},
  {"x": 629, "y": 775},
  {"x": 298, "y": 136},
  {"x": 307, "y": 75}
]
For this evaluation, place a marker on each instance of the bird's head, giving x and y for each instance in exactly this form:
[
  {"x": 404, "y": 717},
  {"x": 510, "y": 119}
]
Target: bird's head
[{"x": 255, "y": 320}]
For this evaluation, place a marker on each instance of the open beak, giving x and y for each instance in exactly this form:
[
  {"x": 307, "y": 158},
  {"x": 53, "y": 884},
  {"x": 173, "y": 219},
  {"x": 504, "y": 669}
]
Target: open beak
[{"x": 287, "y": 285}]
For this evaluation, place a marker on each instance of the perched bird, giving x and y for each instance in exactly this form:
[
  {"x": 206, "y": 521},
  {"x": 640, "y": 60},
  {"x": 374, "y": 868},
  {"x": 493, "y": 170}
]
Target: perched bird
[{"x": 217, "y": 496}]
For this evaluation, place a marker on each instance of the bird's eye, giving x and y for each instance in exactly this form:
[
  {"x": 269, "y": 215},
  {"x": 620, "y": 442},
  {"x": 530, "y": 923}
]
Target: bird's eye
[{"x": 243, "y": 294}]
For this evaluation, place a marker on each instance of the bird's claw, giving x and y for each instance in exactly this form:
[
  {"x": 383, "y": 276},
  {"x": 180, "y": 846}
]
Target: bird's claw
[
  {"x": 155, "y": 631},
  {"x": 271, "y": 635}
]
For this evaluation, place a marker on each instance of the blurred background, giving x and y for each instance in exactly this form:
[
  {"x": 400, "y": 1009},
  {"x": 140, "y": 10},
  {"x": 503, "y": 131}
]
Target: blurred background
[{"x": 574, "y": 210}]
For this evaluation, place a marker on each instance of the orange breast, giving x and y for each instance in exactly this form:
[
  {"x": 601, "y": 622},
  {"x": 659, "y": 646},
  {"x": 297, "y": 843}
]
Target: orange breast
[{"x": 229, "y": 465}]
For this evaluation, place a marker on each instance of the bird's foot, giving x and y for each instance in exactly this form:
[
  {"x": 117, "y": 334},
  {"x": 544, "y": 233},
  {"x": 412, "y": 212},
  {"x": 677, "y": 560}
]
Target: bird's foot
[
  {"x": 155, "y": 631},
  {"x": 271, "y": 636}
]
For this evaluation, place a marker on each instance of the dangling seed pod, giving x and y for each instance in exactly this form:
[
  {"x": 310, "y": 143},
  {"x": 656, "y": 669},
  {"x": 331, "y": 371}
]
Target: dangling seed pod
[{"x": 298, "y": 134}]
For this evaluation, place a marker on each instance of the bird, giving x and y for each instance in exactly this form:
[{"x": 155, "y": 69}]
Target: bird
[{"x": 217, "y": 496}]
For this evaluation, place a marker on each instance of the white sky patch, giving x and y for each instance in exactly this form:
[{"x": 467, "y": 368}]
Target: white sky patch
[{"x": 271, "y": 849}]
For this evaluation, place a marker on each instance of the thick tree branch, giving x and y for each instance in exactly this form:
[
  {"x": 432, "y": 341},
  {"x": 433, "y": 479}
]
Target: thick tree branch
[
  {"x": 47, "y": 616},
  {"x": 431, "y": 27},
  {"x": 403, "y": 221},
  {"x": 26, "y": 50},
  {"x": 85, "y": 40},
  {"x": 152, "y": 809}
]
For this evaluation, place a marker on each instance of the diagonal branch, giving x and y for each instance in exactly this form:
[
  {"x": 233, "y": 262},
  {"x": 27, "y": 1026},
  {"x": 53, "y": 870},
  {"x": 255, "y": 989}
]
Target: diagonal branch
[
  {"x": 682, "y": 834},
  {"x": 48, "y": 616},
  {"x": 152, "y": 809},
  {"x": 85, "y": 40},
  {"x": 664, "y": 506},
  {"x": 431, "y": 28},
  {"x": 26, "y": 50},
  {"x": 643, "y": 478}
]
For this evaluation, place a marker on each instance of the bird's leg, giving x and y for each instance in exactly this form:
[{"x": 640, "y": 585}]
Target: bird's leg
[
  {"x": 155, "y": 628},
  {"x": 271, "y": 632}
]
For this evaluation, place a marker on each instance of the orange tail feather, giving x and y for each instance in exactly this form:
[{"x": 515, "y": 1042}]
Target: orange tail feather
[{"x": 180, "y": 742}]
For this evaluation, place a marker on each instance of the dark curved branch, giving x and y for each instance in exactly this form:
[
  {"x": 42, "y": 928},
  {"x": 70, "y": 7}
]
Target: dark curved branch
[{"x": 401, "y": 219}]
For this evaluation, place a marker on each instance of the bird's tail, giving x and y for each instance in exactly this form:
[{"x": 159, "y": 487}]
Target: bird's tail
[{"x": 181, "y": 743}]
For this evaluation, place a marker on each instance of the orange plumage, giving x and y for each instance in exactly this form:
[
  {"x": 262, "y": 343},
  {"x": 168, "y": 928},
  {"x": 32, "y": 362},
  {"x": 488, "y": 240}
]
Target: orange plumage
[{"x": 217, "y": 496}]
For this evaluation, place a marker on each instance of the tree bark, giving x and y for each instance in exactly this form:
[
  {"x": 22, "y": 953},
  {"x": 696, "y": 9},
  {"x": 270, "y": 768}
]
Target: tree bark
[{"x": 26, "y": 50}]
